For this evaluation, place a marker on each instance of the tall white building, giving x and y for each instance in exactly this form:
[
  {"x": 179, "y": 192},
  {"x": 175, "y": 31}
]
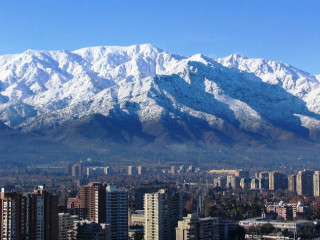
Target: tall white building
[
  {"x": 117, "y": 205},
  {"x": 163, "y": 210},
  {"x": 154, "y": 215},
  {"x": 316, "y": 184}
]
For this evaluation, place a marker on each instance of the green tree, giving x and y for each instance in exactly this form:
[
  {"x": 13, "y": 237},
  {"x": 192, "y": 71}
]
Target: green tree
[{"x": 266, "y": 228}]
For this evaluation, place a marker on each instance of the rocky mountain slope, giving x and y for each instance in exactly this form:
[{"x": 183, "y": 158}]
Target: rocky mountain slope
[{"x": 141, "y": 95}]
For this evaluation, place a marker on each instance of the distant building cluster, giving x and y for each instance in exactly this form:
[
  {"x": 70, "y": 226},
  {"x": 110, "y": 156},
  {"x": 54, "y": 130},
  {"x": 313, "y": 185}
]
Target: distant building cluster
[
  {"x": 181, "y": 169},
  {"x": 95, "y": 169},
  {"x": 305, "y": 182}
]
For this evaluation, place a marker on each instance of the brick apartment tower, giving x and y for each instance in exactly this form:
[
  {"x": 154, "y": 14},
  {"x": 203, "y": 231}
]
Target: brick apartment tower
[
  {"x": 277, "y": 180},
  {"x": 93, "y": 201},
  {"x": 292, "y": 183},
  {"x": 316, "y": 184},
  {"x": 30, "y": 216},
  {"x": 305, "y": 182},
  {"x": 42, "y": 209},
  {"x": 76, "y": 170},
  {"x": 11, "y": 216}
]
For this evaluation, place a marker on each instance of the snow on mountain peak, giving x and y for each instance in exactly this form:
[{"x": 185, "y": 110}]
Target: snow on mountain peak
[
  {"x": 45, "y": 88},
  {"x": 236, "y": 56},
  {"x": 290, "y": 78}
]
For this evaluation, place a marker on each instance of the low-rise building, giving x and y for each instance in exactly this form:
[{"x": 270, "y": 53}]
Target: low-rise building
[
  {"x": 282, "y": 210},
  {"x": 74, "y": 207},
  {"x": 194, "y": 228},
  {"x": 300, "y": 210},
  {"x": 291, "y": 226},
  {"x": 136, "y": 218},
  {"x": 89, "y": 230}
]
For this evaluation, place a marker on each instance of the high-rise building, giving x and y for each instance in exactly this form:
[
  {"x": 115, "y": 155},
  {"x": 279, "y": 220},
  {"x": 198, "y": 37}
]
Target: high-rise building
[
  {"x": 174, "y": 212},
  {"x": 233, "y": 182},
  {"x": 44, "y": 225},
  {"x": 141, "y": 170},
  {"x": 263, "y": 178},
  {"x": 154, "y": 206},
  {"x": 163, "y": 210},
  {"x": 139, "y": 192},
  {"x": 108, "y": 170},
  {"x": 194, "y": 228},
  {"x": 277, "y": 180},
  {"x": 316, "y": 184},
  {"x": 132, "y": 170},
  {"x": 11, "y": 222},
  {"x": 292, "y": 183},
  {"x": 66, "y": 222},
  {"x": 263, "y": 183},
  {"x": 245, "y": 183},
  {"x": 219, "y": 182},
  {"x": 76, "y": 170},
  {"x": 29, "y": 216},
  {"x": 305, "y": 182},
  {"x": 117, "y": 205},
  {"x": 92, "y": 199},
  {"x": 254, "y": 183}
]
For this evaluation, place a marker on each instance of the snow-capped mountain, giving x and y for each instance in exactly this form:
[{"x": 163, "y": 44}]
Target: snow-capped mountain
[
  {"x": 297, "y": 82},
  {"x": 142, "y": 92}
]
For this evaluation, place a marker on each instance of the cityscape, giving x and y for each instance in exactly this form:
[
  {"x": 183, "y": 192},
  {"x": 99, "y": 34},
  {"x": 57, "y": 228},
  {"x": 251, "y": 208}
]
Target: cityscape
[{"x": 89, "y": 200}]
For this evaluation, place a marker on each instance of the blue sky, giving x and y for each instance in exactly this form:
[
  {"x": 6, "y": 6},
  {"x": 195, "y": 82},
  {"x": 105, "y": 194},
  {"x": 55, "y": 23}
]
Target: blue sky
[{"x": 283, "y": 30}]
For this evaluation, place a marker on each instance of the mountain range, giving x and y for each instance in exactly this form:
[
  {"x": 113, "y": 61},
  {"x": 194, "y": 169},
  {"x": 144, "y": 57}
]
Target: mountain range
[{"x": 104, "y": 98}]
